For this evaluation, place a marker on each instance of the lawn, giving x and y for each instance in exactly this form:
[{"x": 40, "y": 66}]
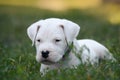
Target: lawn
[{"x": 17, "y": 56}]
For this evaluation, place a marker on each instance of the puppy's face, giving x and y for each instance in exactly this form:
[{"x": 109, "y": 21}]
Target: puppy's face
[
  {"x": 50, "y": 37},
  {"x": 50, "y": 43}
]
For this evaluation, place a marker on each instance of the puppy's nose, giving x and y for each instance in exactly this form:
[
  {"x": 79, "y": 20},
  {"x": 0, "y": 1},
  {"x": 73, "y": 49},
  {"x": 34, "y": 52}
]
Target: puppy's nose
[{"x": 45, "y": 54}]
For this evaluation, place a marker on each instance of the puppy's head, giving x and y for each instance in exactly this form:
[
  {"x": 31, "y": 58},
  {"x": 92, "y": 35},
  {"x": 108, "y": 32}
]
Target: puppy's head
[{"x": 51, "y": 37}]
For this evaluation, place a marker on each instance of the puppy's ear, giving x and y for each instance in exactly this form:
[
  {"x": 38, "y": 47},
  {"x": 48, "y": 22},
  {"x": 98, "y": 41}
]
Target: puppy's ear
[
  {"x": 32, "y": 32},
  {"x": 71, "y": 30}
]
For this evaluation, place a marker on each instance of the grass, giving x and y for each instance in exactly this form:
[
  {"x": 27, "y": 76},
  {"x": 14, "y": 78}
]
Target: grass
[{"x": 17, "y": 56}]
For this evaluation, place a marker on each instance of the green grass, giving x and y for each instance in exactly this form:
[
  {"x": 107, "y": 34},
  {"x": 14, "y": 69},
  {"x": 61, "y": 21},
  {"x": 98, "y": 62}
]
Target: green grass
[{"x": 17, "y": 56}]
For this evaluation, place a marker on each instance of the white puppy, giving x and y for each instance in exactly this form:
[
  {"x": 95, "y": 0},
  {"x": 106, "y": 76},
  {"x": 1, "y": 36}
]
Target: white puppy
[{"x": 56, "y": 45}]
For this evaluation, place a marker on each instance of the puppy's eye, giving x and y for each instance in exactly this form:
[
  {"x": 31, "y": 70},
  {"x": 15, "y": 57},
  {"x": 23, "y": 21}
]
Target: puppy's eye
[
  {"x": 38, "y": 40},
  {"x": 57, "y": 40}
]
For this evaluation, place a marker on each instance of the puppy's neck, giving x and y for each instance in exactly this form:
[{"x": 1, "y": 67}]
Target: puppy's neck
[{"x": 70, "y": 61}]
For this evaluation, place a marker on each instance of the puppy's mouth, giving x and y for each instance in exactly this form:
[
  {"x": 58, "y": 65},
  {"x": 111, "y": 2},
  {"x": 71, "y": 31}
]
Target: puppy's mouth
[{"x": 47, "y": 62}]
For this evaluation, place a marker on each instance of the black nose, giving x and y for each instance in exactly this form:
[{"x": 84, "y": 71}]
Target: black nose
[{"x": 45, "y": 54}]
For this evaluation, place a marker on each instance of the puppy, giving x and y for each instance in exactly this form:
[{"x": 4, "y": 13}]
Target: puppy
[{"x": 57, "y": 46}]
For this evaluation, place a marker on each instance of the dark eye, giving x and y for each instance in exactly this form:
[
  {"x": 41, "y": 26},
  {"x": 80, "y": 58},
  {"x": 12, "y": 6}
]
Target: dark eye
[
  {"x": 57, "y": 40},
  {"x": 38, "y": 40}
]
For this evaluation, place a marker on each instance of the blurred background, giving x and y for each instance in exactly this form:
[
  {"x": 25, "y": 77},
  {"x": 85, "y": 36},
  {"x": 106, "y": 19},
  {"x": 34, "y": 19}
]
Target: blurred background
[
  {"x": 109, "y": 8},
  {"x": 99, "y": 20}
]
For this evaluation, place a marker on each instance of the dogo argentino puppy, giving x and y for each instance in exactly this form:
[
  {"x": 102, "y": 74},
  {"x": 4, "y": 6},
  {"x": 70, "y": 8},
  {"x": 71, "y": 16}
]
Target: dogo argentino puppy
[{"x": 57, "y": 46}]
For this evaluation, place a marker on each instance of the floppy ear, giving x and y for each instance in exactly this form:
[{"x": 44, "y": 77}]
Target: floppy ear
[
  {"x": 71, "y": 30},
  {"x": 32, "y": 32}
]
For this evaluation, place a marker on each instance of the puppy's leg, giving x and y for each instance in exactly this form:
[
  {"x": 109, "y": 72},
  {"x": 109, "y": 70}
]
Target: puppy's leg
[
  {"x": 109, "y": 56},
  {"x": 44, "y": 69}
]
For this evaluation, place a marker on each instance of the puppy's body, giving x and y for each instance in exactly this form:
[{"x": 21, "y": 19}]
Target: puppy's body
[{"x": 53, "y": 39}]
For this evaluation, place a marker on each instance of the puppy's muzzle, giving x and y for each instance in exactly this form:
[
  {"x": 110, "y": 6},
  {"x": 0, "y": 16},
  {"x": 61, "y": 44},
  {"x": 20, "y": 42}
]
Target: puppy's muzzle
[{"x": 45, "y": 54}]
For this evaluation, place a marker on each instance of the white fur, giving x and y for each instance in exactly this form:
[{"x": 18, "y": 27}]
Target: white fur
[{"x": 89, "y": 51}]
